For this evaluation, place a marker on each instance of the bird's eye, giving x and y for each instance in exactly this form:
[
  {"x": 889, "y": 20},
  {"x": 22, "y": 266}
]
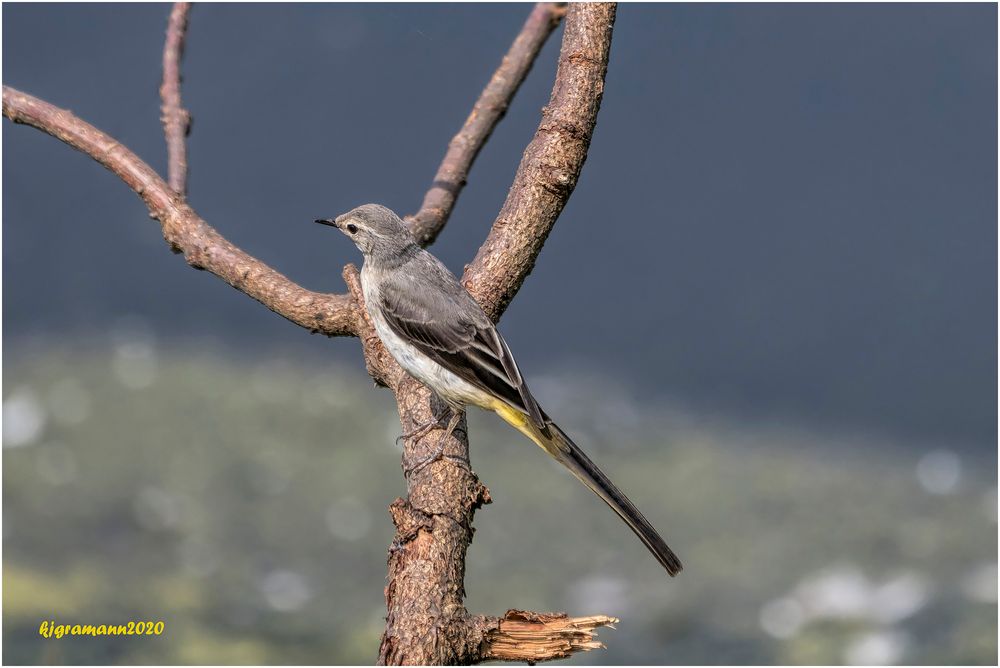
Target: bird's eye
[{"x": 352, "y": 228}]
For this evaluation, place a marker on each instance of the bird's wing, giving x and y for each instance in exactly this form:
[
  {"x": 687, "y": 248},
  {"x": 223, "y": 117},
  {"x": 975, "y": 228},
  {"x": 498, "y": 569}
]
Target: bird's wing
[{"x": 438, "y": 316}]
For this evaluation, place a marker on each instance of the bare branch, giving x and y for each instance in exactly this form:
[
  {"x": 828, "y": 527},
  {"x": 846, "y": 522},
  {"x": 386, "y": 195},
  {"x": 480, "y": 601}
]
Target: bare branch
[
  {"x": 176, "y": 119},
  {"x": 551, "y": 164},
  {"x": 487, "y": 112},
  {"x": 203, "y": 247},
  {"x": 427, "y": 622}
]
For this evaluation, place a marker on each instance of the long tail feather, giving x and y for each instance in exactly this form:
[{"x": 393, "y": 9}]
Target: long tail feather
[
  {"x": 573, "y": 458},
  {"x": 567, "y": 453}
]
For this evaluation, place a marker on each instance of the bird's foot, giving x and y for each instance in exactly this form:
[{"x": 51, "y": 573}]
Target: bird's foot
[
  {"x": 423, "y": 429},
  {"x": 439, "y": 450},
  {"x": 438, "y": 454}
]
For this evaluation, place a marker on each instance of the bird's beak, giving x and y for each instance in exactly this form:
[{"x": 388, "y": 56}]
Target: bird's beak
[{"x": 327, "y": 221}]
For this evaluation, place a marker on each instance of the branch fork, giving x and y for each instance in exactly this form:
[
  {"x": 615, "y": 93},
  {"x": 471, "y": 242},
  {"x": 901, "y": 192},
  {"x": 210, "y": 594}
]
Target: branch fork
[{"x": 426, "y": 621}]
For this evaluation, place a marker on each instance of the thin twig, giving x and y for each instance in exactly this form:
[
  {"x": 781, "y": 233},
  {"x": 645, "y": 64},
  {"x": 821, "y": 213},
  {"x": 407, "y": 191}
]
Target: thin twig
[
  {"x": 203, "y": 247},
  {"x": 176, "y": 119},
  {"x": 491, "y": 106}
]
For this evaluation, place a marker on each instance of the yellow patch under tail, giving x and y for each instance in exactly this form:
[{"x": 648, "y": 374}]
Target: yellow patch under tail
[{"x": 522, "y": 422}]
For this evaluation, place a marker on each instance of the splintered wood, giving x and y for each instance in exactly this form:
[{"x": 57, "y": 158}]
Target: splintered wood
[{"x": 534, "y": 636}]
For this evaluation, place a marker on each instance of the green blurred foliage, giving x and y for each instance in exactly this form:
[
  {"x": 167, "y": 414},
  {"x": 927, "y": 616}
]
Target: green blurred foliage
[{"x": 243, "y": 502}]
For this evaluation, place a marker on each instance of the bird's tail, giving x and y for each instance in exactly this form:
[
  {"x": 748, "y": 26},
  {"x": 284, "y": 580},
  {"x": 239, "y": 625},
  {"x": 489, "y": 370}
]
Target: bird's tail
[{"x": 567, "y": 453}]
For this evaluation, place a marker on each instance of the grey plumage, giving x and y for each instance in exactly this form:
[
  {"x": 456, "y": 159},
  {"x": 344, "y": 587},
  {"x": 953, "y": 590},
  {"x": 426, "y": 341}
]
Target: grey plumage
[
  {"x": 423, "y": 302},
  {"x": 440, "y": 335},
  {"x": 412, "y": 293}
]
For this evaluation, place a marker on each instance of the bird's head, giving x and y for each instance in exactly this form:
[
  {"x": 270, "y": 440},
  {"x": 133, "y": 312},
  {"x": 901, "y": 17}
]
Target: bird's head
[{"x": 374, "y": 229}]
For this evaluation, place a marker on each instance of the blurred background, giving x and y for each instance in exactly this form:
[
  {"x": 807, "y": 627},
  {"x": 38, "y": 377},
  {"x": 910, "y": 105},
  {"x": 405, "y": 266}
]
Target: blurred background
[{"x": 799, "y": 389}]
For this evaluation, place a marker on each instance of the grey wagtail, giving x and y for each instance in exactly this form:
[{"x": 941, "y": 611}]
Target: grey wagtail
[{"x": 437, "y": 332}]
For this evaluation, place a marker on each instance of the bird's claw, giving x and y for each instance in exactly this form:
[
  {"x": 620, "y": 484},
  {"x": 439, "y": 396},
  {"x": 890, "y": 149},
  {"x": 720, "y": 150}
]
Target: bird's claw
[{"x": 421, "y": 430}]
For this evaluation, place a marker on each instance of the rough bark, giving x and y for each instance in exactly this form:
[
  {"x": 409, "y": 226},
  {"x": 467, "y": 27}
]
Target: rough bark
[
  {"x": 550, "y": 165},
  {"x": 427, "y": 622}
]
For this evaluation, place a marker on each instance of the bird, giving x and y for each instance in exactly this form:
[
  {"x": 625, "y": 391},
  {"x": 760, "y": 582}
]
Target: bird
[{"x": 440, "y": 335}]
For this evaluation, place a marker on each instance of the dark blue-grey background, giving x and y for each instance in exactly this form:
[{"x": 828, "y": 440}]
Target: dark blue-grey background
[{"x": 787, "y": 211}]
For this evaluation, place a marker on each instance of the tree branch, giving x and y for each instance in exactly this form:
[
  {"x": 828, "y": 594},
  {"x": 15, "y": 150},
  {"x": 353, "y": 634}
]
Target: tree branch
[
  {"x": 551, "y": 164},
  {"x": 491, "y": 106},
  {"x": 427, "y": 622},
  {"x": 176, "y": 119},
  {"x": 203, "y": 247}
]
